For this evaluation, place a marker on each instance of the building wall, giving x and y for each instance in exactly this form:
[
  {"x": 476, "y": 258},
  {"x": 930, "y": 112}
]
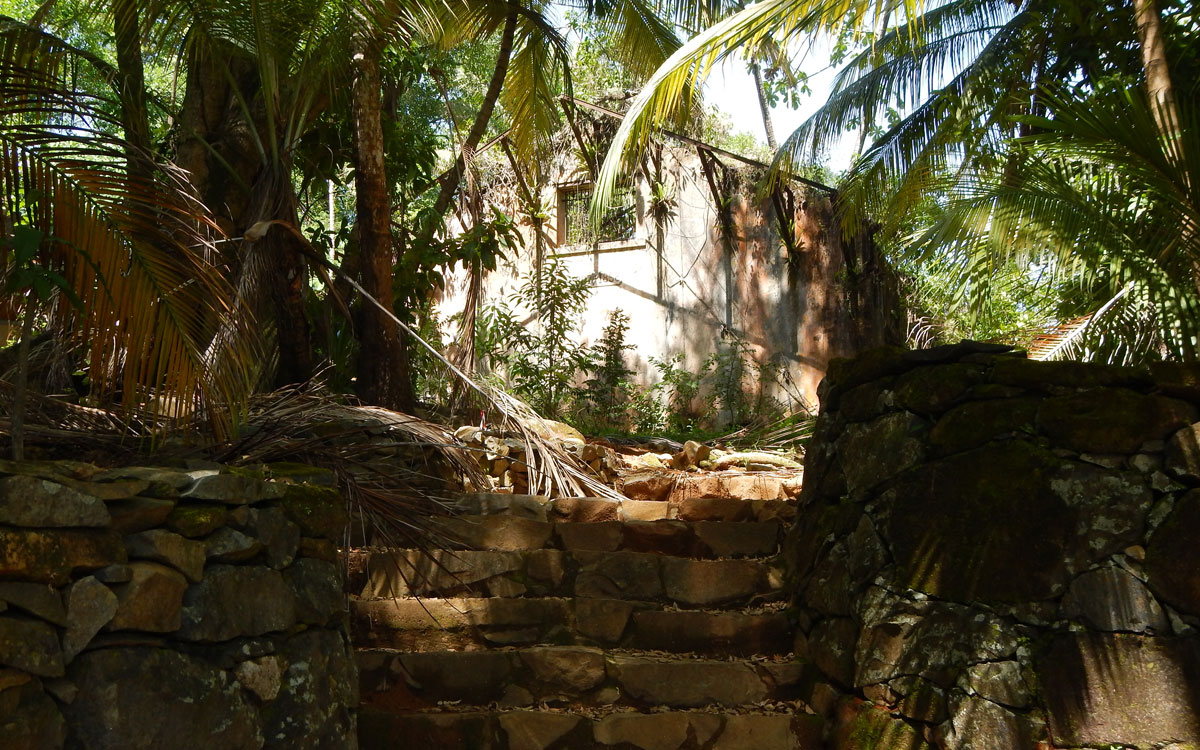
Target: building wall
[{"x": 684, "y": 287}]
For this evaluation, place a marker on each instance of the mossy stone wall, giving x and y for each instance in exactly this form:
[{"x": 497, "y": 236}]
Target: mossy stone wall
[{"x": 998, "y": 553}]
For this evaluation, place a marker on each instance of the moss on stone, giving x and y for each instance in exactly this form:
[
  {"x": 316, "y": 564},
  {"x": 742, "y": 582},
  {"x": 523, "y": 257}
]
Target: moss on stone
[
  {"x": 195, "y": 520},
  {"x": 1111, "y": 420},
  {"x": 50, "y": 556},
  {"x": 972, "y": 424},
  {"x": 984, "y": 525},
  {"x": 318, "y": 511},
  {"x": 931, "y": 390}
]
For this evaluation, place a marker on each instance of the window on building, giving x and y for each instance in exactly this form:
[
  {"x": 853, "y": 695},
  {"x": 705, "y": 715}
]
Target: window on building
[{"x": 574, "y": 226}]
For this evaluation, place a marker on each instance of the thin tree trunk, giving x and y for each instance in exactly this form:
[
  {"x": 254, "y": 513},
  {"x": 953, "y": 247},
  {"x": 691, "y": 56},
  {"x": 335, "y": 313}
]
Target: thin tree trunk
[
  {"x": 1158, "y": 74},
  {"x": 764, "y": 107},
  {"x": 21, "y": 386},
  {"x": 132, "y": 83},
  {"x": 383, "y": 369},
  {"x": 454, "y": 176}
]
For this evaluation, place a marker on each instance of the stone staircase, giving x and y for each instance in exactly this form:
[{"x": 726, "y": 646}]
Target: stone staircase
[{"x": 584, "y": 623}]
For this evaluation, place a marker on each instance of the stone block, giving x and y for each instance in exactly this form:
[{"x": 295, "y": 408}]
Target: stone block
[
  {"x": 181, "y": 702},
  {"x": 475, "y": 677},
  {"x": 195, "y": 520},
  {"x": 646, "y": 510},
  {"x": 985, "y": 524},
  {"x": 662, "y": 537},
  {"x": 997, "y": 681},
  {"x": 1111, "y": 420},
  {"x": 881, "y": 450},
  {"x": 90, "y": 606},
  {"x": 317, "y": 586},
  {"x": 32, "y": 502},
  {"x": 1111, "y": 599},
  {"x": 318, "y": 694},
  {"x": 139, "y": 513},
  {"x": 618, "y": 575},
  {"x": 227, "y": 545},
  {"x": 445, "y": 731},
  {"x": 279, "y": 536},
  {"x": 233, "y": 489},
  {"x": 1121, "y": 689},
  {"x": 318, "y": 511},
  {"x": 600, "y": 536},
  {"x": 648, "y": 485},
  {"x": 151, "y": 601},
  {"x": 573, "y": 669},
  {"x": 37, "y": 599},
  {"x": 545, "y": 566},
  {"x": 753, "y": 487},
  {"x": 663, "y": 731},
  {"x": 237, "y": 601},
  {"x": 1173, "y": 557},
  {"x": 748, "y": 539},
  {"x": 715, "y": 509},
  {"x": 584, "y": 509},
  {"x": 687, "y": 683},
  {"x": 510, "y": 533},
  {"x": 31, "y": 646},
  {"x": 163, "y": 546},
  {"x": 711, "y": 632},
  {"x": 30, "y": 719},
  {"x": 51, "y": 556},
  {"x": 1182, "y": 454},
  {"x": 536, "y": 730},
  {"x": 603, "y": 620},
  {"x": 705, "y": 583},
  {"x": 775, "y": 731}
]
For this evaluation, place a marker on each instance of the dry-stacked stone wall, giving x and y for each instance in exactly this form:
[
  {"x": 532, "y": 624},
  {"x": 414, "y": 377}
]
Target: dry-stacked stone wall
[
  {"x": 149, "y": 608},
  {"x": 995, "y": 553}
]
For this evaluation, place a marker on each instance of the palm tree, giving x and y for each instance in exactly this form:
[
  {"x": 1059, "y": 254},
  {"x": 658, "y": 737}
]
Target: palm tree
[
  {"x": 971, "y": 79},
  {"x": 121, "y": 232}
]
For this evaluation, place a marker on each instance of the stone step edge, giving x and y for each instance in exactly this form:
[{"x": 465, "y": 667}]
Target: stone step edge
[
  {"x": 580, "y": 675},
  {"x": 567, "y": 730},
  {"x": 581, "y": 574},
  {"x": 697, "y": 508},
  {"x": 692, "y": 539},
  {"x": 436, "y": 624}
]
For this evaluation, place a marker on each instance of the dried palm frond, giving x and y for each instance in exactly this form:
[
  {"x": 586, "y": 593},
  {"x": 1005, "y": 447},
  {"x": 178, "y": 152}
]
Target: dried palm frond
[
  {"x": 133, "y": 249},
  {"x": 552, "y": 470},
  {"x": 789, "y": 433}
]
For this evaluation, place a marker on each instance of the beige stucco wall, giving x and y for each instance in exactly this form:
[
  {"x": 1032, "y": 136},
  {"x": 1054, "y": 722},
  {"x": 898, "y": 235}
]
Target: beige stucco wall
[{"x": 682, "y": 297}]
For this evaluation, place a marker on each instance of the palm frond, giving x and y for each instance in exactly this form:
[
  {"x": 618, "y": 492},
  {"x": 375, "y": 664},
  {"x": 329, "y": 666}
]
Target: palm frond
[
  {"x": 134, "y": 250},
  {"x": 668, "y": 89}
]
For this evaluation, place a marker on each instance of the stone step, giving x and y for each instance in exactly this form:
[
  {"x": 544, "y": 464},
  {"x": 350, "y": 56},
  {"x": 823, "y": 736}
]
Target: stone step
[
  {"x": 576, "y": 676},
  {"x": 638, "y": 576},
  {"x": 699, "y": 539},
  {"x": 474, "y": 623},
  {"x": 563, "y": 730},
  {"x": 693, "y": 507}
]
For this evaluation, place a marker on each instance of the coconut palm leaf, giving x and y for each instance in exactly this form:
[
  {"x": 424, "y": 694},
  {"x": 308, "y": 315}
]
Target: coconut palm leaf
[
  {"x": 669, "y": 89},
  {"x": 1099, "y": 195},
  {"x": 134, "y": 251}
]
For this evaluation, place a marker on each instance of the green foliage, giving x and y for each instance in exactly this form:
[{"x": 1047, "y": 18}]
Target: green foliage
[
  {"x": 540, "y": 365},
  {"x": 607, "y": 395},
  {"x": 682, "y": 390}
]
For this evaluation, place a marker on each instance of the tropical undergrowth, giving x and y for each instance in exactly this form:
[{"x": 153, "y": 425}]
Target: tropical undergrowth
[{"x": 533, "y": 346}]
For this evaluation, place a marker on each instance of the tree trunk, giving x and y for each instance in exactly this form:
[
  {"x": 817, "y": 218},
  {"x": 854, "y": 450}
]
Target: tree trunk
[
  {"x": 764, "y": 107},
  {"x": 132, "y": 83},
  {"x": 454, "y": 176},
  {"x": 383, "y": 368},
  {"x": 1158, "y": 74}
]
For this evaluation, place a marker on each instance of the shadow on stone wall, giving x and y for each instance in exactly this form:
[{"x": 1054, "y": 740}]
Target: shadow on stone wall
[
  {"x": 145, "y": 608},
  {"x": 996, "y": 553}
]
